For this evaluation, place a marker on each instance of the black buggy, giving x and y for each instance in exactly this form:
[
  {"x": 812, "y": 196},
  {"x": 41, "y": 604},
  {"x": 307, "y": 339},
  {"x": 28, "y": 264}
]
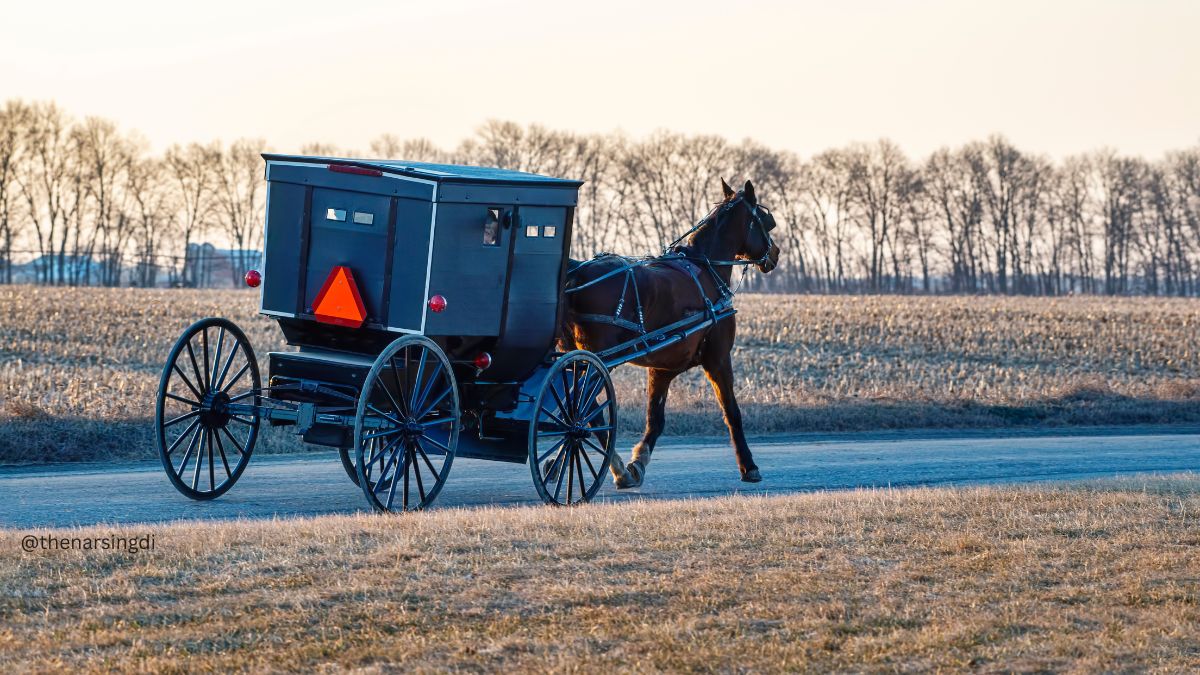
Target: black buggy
[{"x": 424, "y": 301}]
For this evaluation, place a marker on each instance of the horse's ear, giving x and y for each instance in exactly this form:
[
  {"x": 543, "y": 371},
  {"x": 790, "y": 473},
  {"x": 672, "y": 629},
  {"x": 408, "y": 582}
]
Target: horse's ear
[
  {"x": 728, "y": 191},
  {"x": 748, "y": 193}
]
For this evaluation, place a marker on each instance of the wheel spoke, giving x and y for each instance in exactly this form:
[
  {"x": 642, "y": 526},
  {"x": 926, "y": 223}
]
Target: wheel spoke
[
  {"x": 557, "y": 432},
  {"x": 187, "y": 455},
  {"x": 590, "y": 397},
  {"x": 204, "y": 341},
  {"x": 381, "y": 434},
  {"x": 438, "y": 443},
  {"x": 400, "y": 389},
  {"x": 416, "y": 468},
  {"x": 391, "y": 461},
  {"x": 562, "y": 454},
  {"x": 592, "y": 415},
  {"x": 553, "y": 448},
  {"x": 235, "y": 418},
  {"x": 425, "y": 457},
  {"x": 237, "y": 377},
  {"x": 199, "y": 460},
  {"x": 185, "y": 416},
  {"x": 379, "y": 453},
  {"x": 237, "y": 347},
  {"x": 583, "y": 374},
  {"x": 565, "y": 402},
  {"x": 562, "y": 407},
  {"x": 186, "y": 381},
  {"x": 396, "y": 481},
  {"x": 238, "y": 446},
  {"x": 570, "y": 472},
  {"x": 439, "y": 422},
  {"x": 579, "y": 472},
  {"x": 416, "y": 403},
  {"x": 181, "y": 399},
  {"x": 224, "y": 460},
  {"x": 395, "y": 404},
  {"x": 217, "y": 358},
  {"x": 419, "y": 403},
  {"x": 555, "y": 417},
  {"x": 182, "y": 436},
  {"x": 386, "y": 416},
  {"x": 426, "y": 409},
  {"x": 603, "y": 453},
  {"x": 212, "y": 474},
  {"x": 595, "y": 474},
  {"x": 195, "y": 366}
]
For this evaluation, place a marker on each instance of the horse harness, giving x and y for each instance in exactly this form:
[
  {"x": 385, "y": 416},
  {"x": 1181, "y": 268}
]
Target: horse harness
[{"x": 681, "y": 260}]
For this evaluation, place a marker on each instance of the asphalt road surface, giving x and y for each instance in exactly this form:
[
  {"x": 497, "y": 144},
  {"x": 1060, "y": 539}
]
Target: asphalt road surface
[{"x": 314, "y": 484}]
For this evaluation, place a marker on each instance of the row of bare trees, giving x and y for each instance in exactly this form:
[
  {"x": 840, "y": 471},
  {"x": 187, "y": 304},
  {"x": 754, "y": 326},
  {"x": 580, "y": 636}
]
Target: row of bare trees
[
  {"x": 94, "y": 208},
  {"x": 984, "y": 217}
]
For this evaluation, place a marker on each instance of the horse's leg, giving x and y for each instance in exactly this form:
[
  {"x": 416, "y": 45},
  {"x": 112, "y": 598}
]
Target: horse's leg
[
  {"x": 719, "y": 370},
  {"x": 658, "y": 382}
]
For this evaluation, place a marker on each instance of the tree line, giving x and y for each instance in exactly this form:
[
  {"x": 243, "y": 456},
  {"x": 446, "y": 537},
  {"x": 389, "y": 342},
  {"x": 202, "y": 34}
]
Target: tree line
[{"x": 985, "y": 217}]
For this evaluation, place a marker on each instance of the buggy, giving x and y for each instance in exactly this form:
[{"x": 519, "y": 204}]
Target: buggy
[{"x": 424, "y": 303}]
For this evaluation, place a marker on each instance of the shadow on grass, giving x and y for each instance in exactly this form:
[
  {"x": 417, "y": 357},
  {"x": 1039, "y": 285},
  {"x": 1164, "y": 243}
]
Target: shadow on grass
[{"x": 46, "y": 439}]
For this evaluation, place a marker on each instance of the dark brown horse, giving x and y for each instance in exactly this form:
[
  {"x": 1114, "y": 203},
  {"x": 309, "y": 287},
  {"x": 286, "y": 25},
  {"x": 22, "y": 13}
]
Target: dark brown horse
[{"x": 693, "y": 277}]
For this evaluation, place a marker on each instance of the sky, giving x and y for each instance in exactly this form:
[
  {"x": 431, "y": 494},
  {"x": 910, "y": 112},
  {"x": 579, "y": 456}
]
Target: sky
[{"x": 1055, "y": 77}]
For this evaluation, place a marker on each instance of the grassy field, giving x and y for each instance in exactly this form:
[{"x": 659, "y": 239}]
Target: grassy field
[
  {"x": 79, "y": 367},
  {"x": 1099, "y": 577}
]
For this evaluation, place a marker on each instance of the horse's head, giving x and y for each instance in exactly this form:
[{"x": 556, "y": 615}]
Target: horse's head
[{"x": 740, "y": 229}]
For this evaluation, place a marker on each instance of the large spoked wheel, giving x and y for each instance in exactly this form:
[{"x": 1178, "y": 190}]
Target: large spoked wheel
[
  {"x": 203, "y": 442},
  {"x": 407, "y": 424},
  {"x": 572, "y": 437}
]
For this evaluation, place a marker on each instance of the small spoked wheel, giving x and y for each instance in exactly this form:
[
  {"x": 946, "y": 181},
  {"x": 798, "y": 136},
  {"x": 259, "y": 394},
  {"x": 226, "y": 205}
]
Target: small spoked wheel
[
  {"x": 205, "y": 414},
  {"x": 572, "y": 437},
  {"x": 407, "y": 424}
]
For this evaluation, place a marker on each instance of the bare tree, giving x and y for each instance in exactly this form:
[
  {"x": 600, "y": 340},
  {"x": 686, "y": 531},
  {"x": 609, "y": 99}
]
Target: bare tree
[
  {"x": 239, "y": 192},
  {"x": 154, "y": 198},
  {"x": 14, "y": 117},
  {"x": 192, "y": 169}
]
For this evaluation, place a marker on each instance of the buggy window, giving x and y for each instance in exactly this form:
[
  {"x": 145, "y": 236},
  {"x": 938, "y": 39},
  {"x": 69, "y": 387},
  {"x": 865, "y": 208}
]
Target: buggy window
[
  {"x": 491, "y": 228},
  {"x": 336, "y": 214}
]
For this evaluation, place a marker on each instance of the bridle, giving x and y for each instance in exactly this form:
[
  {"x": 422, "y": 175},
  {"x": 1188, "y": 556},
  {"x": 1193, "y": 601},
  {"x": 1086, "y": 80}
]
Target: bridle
[{"x": 715, "y": 214}]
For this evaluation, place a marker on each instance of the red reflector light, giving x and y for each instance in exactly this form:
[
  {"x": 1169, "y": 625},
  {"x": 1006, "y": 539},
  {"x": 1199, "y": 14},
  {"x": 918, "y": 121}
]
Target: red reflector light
[
  {"x": 253, "y": 278},
  {"x": 483, "y": 361},
  {"x": 437, "y": 303},
  {"x": 338, "y": 301},
  {"x": 347, "y": 168}
]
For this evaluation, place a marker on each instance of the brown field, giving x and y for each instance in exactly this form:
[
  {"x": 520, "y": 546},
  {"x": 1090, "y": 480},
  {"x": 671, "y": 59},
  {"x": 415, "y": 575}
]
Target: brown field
[
  {"x": 1098, "y": 577},
  {"x": 79, "y": 367}
]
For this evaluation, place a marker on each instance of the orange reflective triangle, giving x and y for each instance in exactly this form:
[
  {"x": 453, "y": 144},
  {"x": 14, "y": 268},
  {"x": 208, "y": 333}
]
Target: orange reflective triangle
[{"x": 338, "y": 302}]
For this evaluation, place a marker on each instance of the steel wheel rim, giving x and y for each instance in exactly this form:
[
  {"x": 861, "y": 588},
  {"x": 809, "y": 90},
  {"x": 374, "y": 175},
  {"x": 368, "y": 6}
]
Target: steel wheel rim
[
  {"x": 572, "y": 436},
  {"x": 204, "y": 449},
  {"x": 411, "y": 391}
]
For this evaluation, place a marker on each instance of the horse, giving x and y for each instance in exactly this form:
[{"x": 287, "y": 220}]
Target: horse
[{"x": 691, "y": 277}]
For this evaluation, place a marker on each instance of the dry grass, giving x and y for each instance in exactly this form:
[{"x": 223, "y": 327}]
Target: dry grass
[
  {"x": 1102, "y": 577},
  {"x": 79, "y": 368}
]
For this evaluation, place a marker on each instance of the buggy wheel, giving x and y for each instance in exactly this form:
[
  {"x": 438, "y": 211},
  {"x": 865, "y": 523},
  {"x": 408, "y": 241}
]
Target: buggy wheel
[
  {"x": 406, "y": 427},
  {"x": 572, "y": 437},
  {"x": 347, "y": 457},
  {"x": 203, "y": 444}
]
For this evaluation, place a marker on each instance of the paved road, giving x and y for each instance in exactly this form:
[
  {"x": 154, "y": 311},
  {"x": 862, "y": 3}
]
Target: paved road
[{"x": 312, "y": 484}]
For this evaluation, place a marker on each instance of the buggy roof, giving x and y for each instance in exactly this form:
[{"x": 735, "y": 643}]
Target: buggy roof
[{"x": 442, "y": 173}]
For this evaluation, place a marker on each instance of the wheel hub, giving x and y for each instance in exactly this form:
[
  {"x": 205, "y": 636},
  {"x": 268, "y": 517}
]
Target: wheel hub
[{"x": 214, "y": 409}]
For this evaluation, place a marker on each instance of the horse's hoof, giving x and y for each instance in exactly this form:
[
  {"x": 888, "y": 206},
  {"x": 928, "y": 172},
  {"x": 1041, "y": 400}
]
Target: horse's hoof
[
  {"x": 631, "y": 478},
  {"x": 752, "y": 476}
]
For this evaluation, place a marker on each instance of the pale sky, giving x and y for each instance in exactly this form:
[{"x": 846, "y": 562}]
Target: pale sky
[{"x": 1055, "y": 77}]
